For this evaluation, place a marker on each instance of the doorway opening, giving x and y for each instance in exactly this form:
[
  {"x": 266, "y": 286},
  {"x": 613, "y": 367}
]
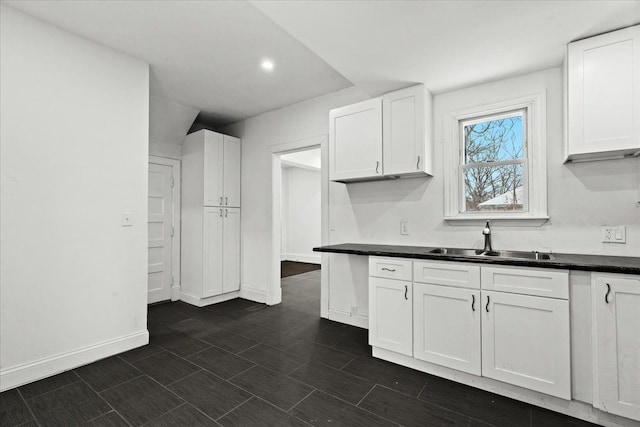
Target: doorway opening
[{"x": 299, "y": 223}]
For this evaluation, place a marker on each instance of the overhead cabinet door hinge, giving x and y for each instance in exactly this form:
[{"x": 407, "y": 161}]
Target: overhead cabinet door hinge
[
  {"x": 172, "y": 182},
  {"x": 173, "y": 231}
]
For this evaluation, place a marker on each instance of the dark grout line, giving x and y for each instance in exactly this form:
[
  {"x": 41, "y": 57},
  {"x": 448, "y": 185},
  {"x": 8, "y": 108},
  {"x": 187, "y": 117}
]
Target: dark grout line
[
  {"x": 185, "y": 377},
  {"x": 33, "y": 415},
  {"x": 104, "y": 400}
]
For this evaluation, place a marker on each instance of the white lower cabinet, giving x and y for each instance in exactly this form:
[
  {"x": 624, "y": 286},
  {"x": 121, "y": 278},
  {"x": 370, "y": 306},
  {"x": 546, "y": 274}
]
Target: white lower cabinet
[
  {"x": 617, "y": 340},
  {"x": 512, "y": 337},
  {"x": 446, "y": 326},
  {"x": 390, "y": 315},
  {"x": 221, "y": 251},
  {"x": 525, "y": 341}
]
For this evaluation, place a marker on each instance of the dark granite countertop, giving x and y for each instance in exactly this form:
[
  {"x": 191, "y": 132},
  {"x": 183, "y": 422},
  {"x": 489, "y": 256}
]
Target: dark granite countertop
[{"x": 602, "y": 263}]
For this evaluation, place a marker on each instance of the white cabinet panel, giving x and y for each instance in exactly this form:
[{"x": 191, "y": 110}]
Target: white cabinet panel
[
  {"x": 390, "y": 315},
  {"x": 528, "y": 281},
  {"x": 447, "y": 273},
  {"x": 355, "y": 141},
  {"x": 213, "y": 171},
  {"x": 231, "y": 166},
  {"x": 617, "y": 303},
  {"x": 404, "y": 116},
  {"x": 391, "y": 268},
  {"x": 603, "y": 75},
  {"x": 231, "y": 250},
  {"x": 525, "y": 341},
  {"x": 212, "y": 252},
  {"x": 446, "y": 326}
]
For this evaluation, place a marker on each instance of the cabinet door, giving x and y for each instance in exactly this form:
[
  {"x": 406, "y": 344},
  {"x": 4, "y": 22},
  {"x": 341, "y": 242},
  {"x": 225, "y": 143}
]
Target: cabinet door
[
  {"x": 355, "y": 141},
  {"x": 617, "y": 302},
  {"x": 232, "y": 150},
  {"x": 390, "y": 315},
  {"x": 231, "y": 250},
  {"x": 213, "y": 171},
  {"x": 525, "y": 341},
  {"x": 604, "y": 94},
  {"x": 212, "y": 252},
  {"x": 446, "y": 326},
  {"x": 403, "y": 135}
]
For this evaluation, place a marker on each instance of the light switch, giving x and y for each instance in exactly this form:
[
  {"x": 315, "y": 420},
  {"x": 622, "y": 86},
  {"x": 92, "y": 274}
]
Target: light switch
[
  {"x": 404, "y": 228},
  {"x": 127, "y": 219}
]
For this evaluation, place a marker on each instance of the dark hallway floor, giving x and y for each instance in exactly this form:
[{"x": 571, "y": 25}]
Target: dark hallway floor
[
  {"x": 241, "y": 363},
  {"x": 292, "y": 268}
]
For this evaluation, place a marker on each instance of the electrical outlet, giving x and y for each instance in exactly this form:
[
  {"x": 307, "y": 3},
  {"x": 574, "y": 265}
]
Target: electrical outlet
[
  {"x": 404, "y": 228},
  {"x": 614, "y": 234},
  {"x": 126, "y": 219}
]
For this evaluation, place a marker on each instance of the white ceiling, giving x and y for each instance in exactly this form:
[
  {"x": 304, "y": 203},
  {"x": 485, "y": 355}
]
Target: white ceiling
[{"x": 206, "y": 54}]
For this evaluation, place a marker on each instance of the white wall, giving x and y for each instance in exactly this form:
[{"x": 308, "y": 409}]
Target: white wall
[
  {"x": 74, "y": 152},
  {"x": 169, "y": 122},
  {"x": 300, "y": 121},
  {"x": 582, "y": 197},
  {"x": 300, "y": 214}
]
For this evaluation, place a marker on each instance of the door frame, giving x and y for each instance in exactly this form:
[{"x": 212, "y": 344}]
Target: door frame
[
  {"x": 175, "y": 220},
  {"x": 274, "y": 289}
]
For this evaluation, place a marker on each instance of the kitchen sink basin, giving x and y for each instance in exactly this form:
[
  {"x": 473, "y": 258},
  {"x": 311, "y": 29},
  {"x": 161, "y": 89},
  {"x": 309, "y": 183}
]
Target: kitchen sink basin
[
  {"x": 534, "y": 255},
  {"x": 457, "y": 251}
]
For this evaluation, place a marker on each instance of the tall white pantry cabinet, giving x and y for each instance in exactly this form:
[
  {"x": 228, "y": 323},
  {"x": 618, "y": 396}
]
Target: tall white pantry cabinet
[{"x": 210, "y": 253}]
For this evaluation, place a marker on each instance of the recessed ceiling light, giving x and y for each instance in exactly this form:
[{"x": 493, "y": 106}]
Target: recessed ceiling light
[{"x": 267, "y": 65}]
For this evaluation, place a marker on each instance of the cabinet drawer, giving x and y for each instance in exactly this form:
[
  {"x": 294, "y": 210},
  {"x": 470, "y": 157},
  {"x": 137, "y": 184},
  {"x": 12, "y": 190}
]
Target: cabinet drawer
[
  {"x": 392, "y": 268},
  {"x": 447, "y": 273},
  {"x": 527, "y": 281}
]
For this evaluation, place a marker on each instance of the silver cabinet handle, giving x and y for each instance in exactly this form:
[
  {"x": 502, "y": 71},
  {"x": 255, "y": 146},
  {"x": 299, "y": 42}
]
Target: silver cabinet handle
[
  {"x": 220, "y": 213},
  {"x": 473, "y": 303},
  {"x": 387, "y": 269},
  {"x": 377, "y": 167},
  {"x": 226, "y": 211},
  {"x": 486, "y": 307},
  {"x": 418, "y": 163},
  {"x": 606, "y": 296},
  {"x": 406, "y": 289},
  {"x": 220, "y": 200},
  {"x": 226, "y": 200}
]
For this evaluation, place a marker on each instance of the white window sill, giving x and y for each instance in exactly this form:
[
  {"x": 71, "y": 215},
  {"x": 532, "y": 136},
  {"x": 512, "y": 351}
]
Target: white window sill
[{"x": 528, "y": 221}]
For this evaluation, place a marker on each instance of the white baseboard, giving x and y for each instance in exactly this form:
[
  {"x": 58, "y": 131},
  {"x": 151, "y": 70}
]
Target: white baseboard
[
  {"x": 253, "y": 294},
  {"x": 342, "y": 317},
  {"x": 313, "y": 259},
  {"x": 201, "y": 302},
  {"x": 175, "y": 292},
  {"x": 43, "y": 368}
]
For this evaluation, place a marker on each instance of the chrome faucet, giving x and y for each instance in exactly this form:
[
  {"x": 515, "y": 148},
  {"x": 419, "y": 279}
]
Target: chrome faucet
[{"x": 486, "y": 231}]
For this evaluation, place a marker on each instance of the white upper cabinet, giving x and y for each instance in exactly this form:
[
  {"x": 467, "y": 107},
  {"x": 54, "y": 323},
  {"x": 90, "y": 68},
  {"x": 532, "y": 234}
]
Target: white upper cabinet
[
  {"x": 603, "y": 96},
  {"x": 213, "y": 171},
  {"x": 231, "y": 174},
  {"x": 218, "y": 158},
  {"x": 385, "y": 137},
  {"x": 355, "y": 141},
  {"x": 406, "y": 117}
]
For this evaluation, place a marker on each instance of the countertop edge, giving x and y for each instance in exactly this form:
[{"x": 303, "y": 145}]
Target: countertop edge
[{"x": 405, "y": 252}]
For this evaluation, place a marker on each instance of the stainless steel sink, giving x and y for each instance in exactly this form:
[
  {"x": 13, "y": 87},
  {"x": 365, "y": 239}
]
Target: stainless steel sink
[
  {"x": 520, "y": 254},
  {"x": 457, "y": 251},
  {"x": 534, "y": 255}
]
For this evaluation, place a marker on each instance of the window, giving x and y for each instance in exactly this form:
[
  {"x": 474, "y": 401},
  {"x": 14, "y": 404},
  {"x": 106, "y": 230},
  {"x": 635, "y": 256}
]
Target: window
[{"x": 497, "y": 162}]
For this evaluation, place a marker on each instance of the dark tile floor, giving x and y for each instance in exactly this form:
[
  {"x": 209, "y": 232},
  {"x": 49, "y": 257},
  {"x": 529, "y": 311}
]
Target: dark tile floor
[{"x": 243, "y": 364}]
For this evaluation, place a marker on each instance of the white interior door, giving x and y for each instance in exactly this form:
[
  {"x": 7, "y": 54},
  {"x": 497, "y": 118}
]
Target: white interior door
[{"x": 160, "y": 271}]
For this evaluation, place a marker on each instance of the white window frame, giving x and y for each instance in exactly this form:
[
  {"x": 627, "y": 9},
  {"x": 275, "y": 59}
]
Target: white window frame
[{"x": 535, "y": 165}]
